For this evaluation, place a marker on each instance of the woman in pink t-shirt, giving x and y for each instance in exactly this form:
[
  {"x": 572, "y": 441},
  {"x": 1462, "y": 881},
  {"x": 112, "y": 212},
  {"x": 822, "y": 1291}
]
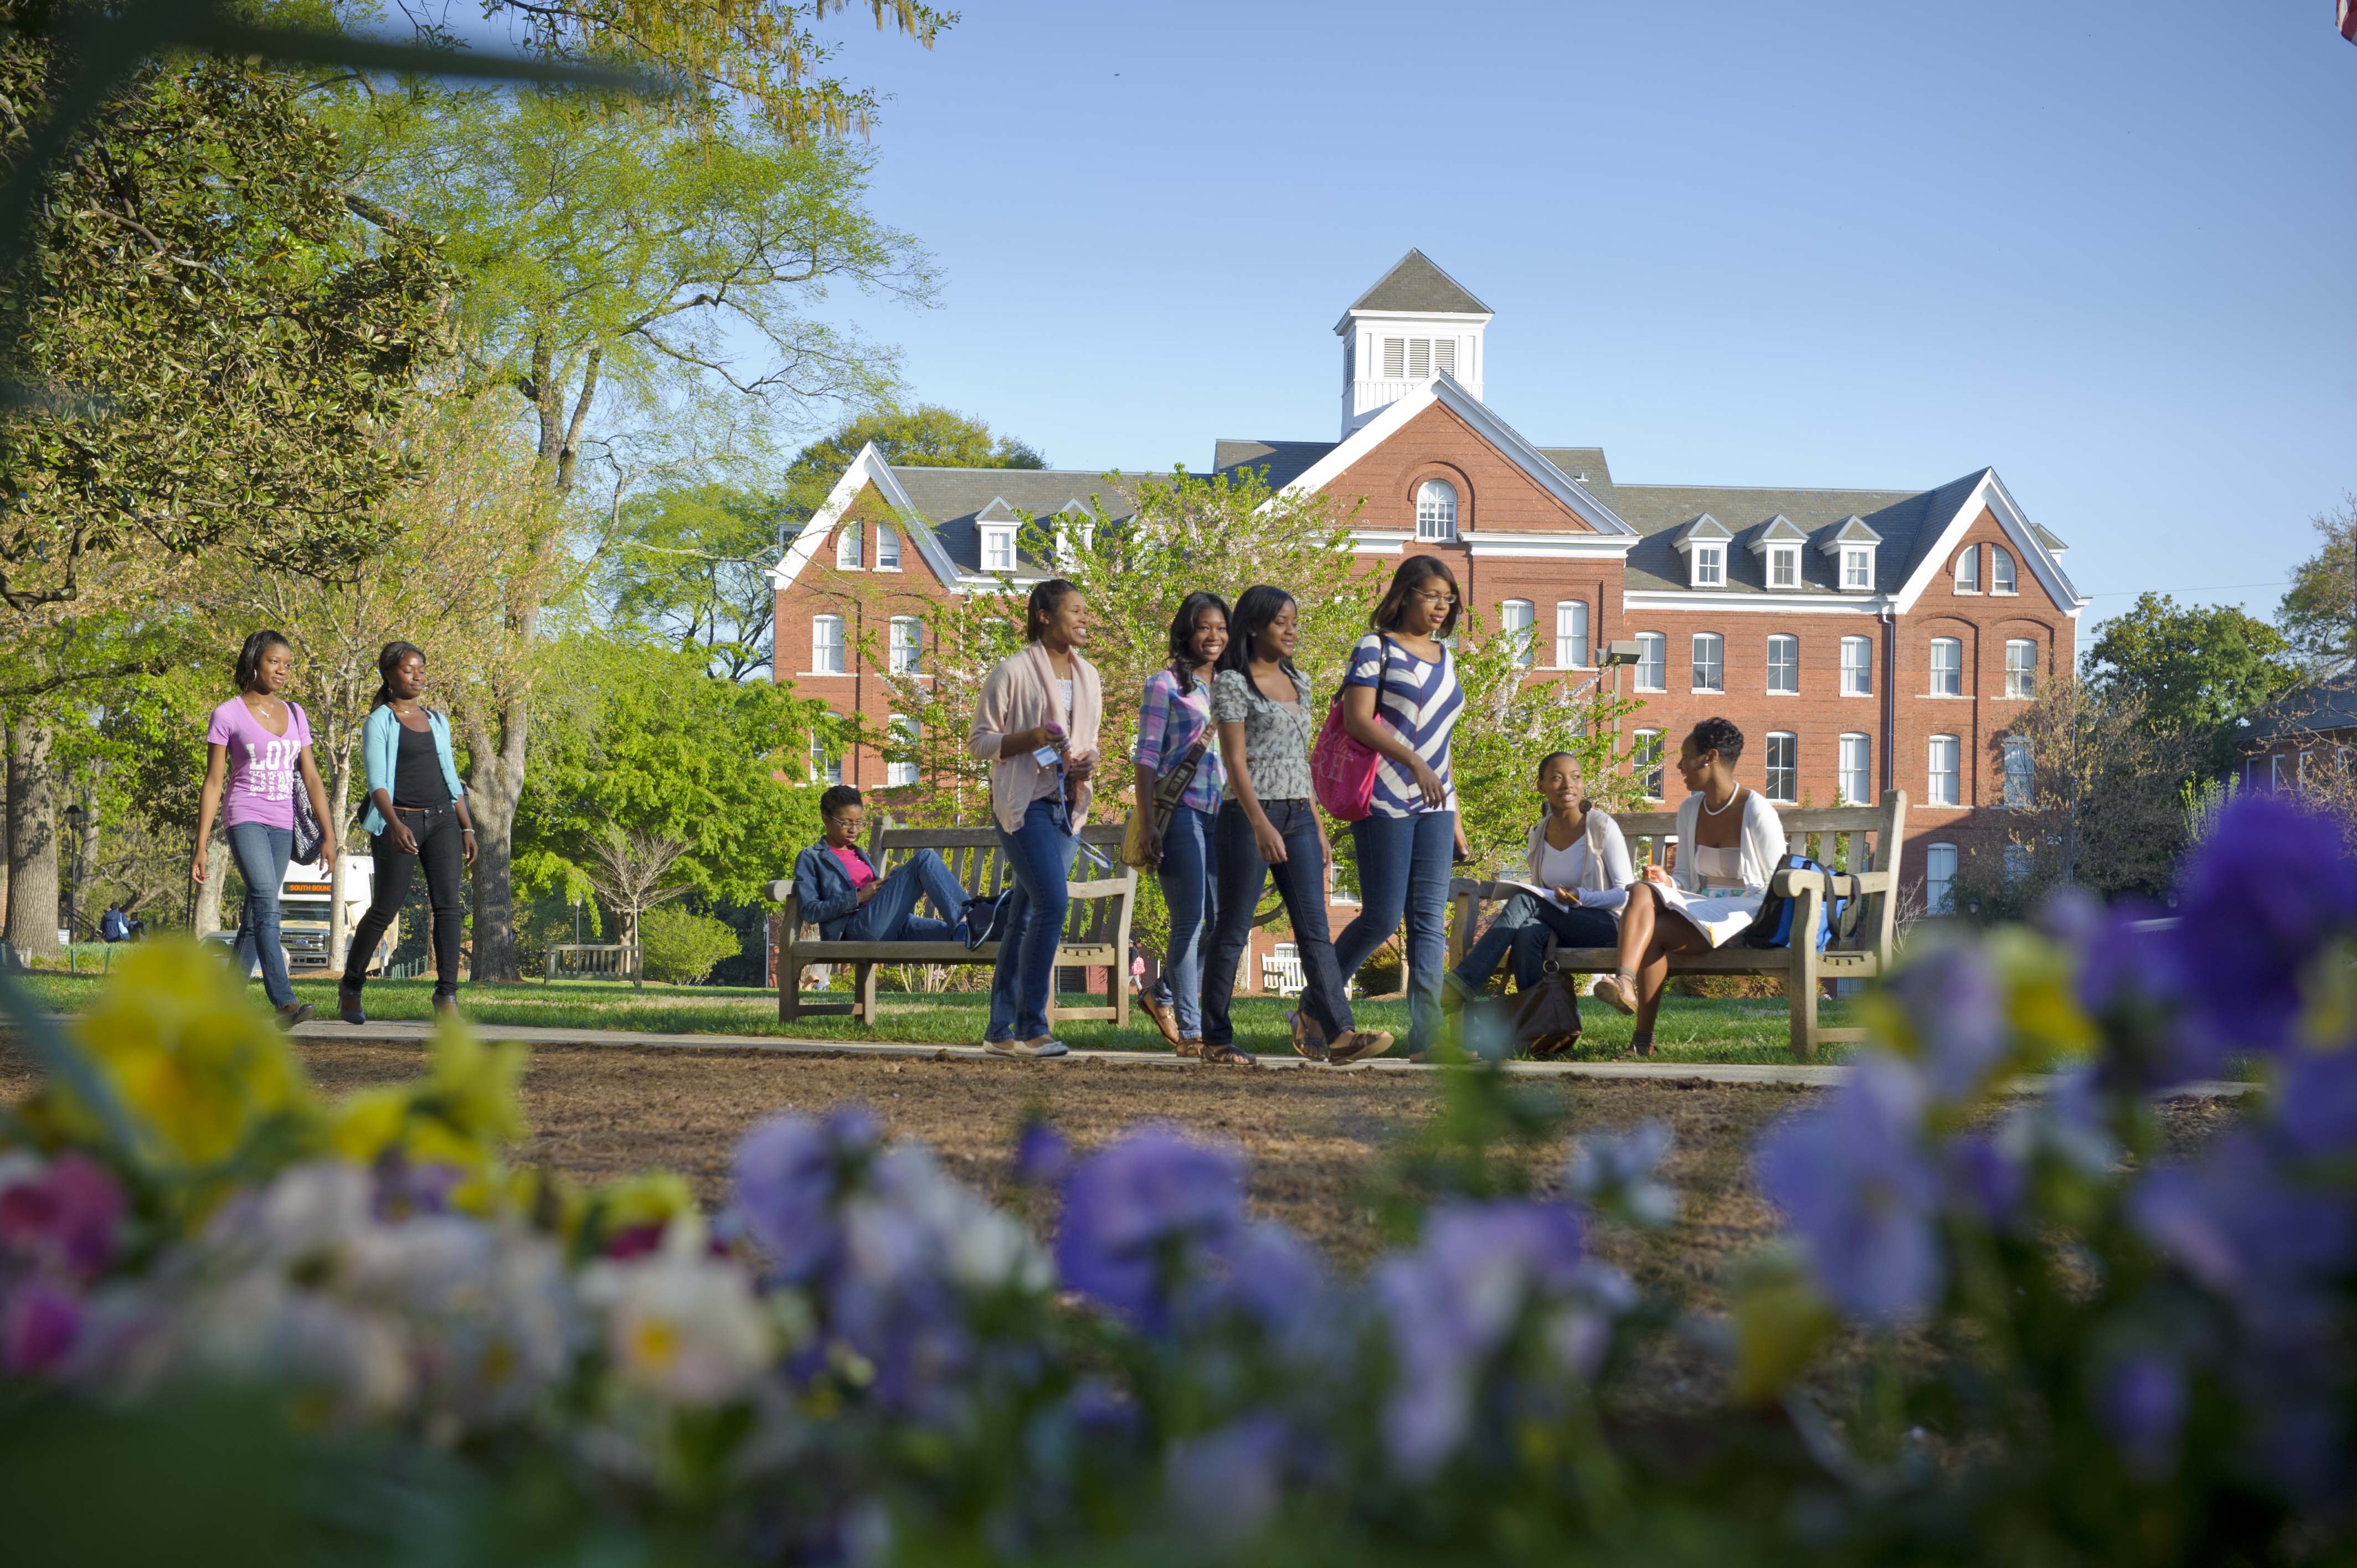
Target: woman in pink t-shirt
[{"x": 258, "y": 746}]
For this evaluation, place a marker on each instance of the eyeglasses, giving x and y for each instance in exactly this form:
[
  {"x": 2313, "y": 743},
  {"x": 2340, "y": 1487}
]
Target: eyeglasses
[{"x": 1439, "y": 600}]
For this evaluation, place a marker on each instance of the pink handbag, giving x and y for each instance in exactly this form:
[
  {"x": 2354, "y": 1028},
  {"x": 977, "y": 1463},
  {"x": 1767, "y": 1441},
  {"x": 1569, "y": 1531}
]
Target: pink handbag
[{"x": 1342, "y": 766}]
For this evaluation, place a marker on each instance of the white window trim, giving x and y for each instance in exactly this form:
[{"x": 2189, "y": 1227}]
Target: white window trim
[
  {"x": 850, "y": 536},
  {"x": 1931, "y": 773},
  {"x": 1636, "y": 671},
  {"x": 1711, "y": 554},
  {"x": 916, "y": 645},
  {"x": 1932, "y": 669},
  {"x": 1448, "y": 526},
  {"x": 1768, "y": 767},
  {"x": 1945, "y": 903},
  {"x": 994, "y": 533},
  {"x": 885, "y": 530},
  {"x": 1999, "y": 552},
  {"x": 1865, "y": 670},
  {"x": 842, "y": 661},
  {"x": 1858, "y": 551},
  {"x": 1527, "y": 657},
  {"x": 1638, "y": 770},
  {"x": 1783, "y": 556},
  {"x": 1970, "y": 552},
  {"x": 1576, "y": 639},
  {"x": 1841, "y": 765},
  {"x": 2010, "y": 694},
  {"x": 1693, "y": 659},
  {"x": 1770, "y": 673}
]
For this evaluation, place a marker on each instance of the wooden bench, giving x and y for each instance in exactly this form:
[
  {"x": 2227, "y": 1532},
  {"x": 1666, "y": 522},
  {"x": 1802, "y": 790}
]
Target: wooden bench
[
  {"x": 1096, "y": 927},
  {"x": 1859, "y": 844}
]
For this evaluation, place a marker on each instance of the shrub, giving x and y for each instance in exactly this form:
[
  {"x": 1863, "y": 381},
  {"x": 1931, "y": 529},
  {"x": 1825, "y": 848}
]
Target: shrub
[{"x": 679, "y": 948}]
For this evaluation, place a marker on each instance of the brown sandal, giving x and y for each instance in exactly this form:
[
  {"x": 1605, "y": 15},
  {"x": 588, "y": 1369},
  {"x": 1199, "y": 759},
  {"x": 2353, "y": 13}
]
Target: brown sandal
[
  {"x": 1161, "y": 1019},
  {"x": 1618, "y": 989},
  {"x": 1189, "y": 1047},
  {"x": 1307, "y": 1041},
  {"x": 1215, "y": 1055},
  {"x": 1357, "y": 1046},
  {"x": 1640, "y": 1046}
]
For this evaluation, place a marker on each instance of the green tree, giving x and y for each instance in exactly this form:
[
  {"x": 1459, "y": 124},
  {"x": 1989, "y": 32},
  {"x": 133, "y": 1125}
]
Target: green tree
[
  {"x": 689, "y": 565},
  {"x": 2192, "y": 670},
  {"x": 2320, "y": 611},
  {"x": 653, "y": 746},
  {"x": 625, "y": 260},
  {"x": 928, "y": 436}
]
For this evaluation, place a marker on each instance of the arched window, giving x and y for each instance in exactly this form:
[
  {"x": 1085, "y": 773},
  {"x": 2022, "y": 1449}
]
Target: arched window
[
  {"x": 1947, "y": 667},
  {"x": 887, "y": 548},
  {"x": 1858, "y": 667},
  {"x": 1856, "y": 779},
  {"x": 1783, "y": 666},
  {"x": 1653, "y": 662},
  {"x": 900, "y": 736},
  {"x": 1968, "y": 572},
  {"x": 2020, "y": 669},
  {"x": 1436, "y": 510},
  {"x": 847, "y": 547},
  {"x": 2000, "y": 570},
  {"x": 1571, "y": 635},
  {"x": 1709, "y": 662},
  {"x": 1515, "y": 618},
  {"x": 2021, "y": 772},
  {"x": 1645, "y": 762},
  {"x": 1783, "y": 765}
]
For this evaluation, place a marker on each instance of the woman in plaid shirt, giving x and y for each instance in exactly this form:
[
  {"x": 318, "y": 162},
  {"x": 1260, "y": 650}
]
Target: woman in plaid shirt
[{"x": 1176, "y": 711}]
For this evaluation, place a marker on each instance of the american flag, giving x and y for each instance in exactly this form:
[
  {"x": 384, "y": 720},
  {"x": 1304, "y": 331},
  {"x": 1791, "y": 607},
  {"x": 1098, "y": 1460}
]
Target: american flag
[{"x": 2349, "y": 20}]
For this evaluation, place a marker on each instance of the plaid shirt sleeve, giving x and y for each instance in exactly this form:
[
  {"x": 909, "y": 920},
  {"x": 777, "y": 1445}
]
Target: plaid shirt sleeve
[{"x": 1153, "y": 719}]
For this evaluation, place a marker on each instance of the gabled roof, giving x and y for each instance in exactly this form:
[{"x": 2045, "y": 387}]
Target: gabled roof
[
  {"x": 1704, "y": 527},
  {"x": 997, "y": 512},
  {"x": 1777, "y": 530},
  {"x": 1851, "y": 530},
  {"x": 2048, "y": 539},
  {"x": 1585, "y": 465},
  {"x": 2319, "y": 707},
  {"x": 1415, "y": 286}
]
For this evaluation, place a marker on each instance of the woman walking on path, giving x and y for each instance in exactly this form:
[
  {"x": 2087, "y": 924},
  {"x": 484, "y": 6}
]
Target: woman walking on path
[
  {"x": 261, "y": 742},
  {"x": 1577, "y": 852},
  {"x": 1037, "y": 725},
  {"x": 1730, "y": 842},
  {"x": 417, "y": 815},
  {"x": 1268, "y": 825},
  {"x": 1401, "y": 700},
  {"x": 1172, "y": 718}
]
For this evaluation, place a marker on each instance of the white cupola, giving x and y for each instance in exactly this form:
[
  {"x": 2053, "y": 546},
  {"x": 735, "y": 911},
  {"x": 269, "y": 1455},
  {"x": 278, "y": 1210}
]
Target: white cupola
[{"x": 1416, "y": 323}]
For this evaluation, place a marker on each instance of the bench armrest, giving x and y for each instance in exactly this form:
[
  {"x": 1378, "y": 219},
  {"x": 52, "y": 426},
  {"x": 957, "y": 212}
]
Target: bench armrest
[
  {"x": 782, "y": 891},
  {"x": 1847, "y": 885}
]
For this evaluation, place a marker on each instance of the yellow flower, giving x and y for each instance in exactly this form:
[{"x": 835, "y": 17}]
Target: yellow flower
[
  {"x": 365, "y": 1124},
  {"x": 180, "y": 1046},
  {"x": 1780, "y": 1322}
]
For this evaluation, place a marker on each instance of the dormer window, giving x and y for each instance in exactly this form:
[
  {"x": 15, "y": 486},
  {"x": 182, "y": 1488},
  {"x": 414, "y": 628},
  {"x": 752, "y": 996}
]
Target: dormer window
[
  {"x": 1779, "y": 545},
  {"x": 999, "y": 548},
  {"x": 1858, "y": 568},
  {"x": 1968, "y": 570},
  {"x": 1708, "y": 563},
  {"x": 1435, "y": 510},
  {"x": 1783, "y": 565},
  {"x": 1851, "y": 543},
  {"x": 847, "y": 547},
  {"x": 2000, "y": 570}
]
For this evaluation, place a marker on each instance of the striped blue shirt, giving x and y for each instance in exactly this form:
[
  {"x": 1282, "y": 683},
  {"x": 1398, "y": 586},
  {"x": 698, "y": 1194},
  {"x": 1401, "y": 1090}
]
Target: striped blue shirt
[{"x": 1420, "y": 701}]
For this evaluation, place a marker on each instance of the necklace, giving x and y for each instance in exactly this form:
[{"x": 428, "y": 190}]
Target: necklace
[{"x": 1732, "y": 796}]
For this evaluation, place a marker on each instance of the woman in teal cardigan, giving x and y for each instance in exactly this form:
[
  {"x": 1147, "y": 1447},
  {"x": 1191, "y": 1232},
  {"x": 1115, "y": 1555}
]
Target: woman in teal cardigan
[{"x": 417, "y": 815}]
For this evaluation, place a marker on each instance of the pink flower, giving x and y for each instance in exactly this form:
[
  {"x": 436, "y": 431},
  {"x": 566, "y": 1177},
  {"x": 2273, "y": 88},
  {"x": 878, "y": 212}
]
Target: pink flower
[
  {"x": 38, "y": 1325},
  {"x": 63, "y": 1219}
]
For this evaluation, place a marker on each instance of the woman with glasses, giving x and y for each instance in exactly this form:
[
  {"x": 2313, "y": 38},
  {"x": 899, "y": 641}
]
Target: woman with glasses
[{"x": 1401, "y": 700}]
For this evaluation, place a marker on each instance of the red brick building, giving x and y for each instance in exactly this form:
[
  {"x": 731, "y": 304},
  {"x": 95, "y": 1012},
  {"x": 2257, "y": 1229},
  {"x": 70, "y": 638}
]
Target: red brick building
[{"x": 1864, "y": 640}]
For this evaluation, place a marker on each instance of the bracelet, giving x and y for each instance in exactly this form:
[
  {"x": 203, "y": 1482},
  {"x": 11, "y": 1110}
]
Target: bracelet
[{"x": 468, "y": 831}]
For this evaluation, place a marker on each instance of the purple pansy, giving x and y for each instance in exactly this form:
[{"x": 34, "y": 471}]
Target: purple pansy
[
  {"x": 1852, "y": 1177},
  {"x": 1955, "y": 1001},
  {"x": 63, "y": 1218},
  {"x": 2316, "y": 1101},
  {"x": 2236, "y": 1223},
  {"x": 2258, "y": 899},
  {"x": 1222, "y": 1488},
  {"x": 2140, "y": 1400},
  {"x": 1139, "y": 1215},
  {"x": 1987, "y": 1177},
  {"x": 790, "y": 1173},
  {"x": 40, "y": 1322},
  {"x": 1041, "y": 1154}
]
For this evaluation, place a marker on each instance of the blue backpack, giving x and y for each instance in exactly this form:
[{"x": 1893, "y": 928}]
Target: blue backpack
[{"x": 1772, "y": 927}]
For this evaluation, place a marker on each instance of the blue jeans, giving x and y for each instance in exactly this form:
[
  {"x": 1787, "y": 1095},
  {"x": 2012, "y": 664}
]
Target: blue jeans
[
  {"x": 262, "y": 852},
  {"x": 1301, "y": 882},
  {"x": 1189, "y": 864},
  {"x": 890, "y": 915},
  {"x": 1404, "y": 864},
  {"x": 1039, "y": 862},
  {"x": 1524, "y": 929}
]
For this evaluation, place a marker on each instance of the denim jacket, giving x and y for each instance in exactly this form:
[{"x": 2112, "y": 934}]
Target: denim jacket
[
  {"x": 828, "y": 898},
  {"x": 381, "y": 744}
]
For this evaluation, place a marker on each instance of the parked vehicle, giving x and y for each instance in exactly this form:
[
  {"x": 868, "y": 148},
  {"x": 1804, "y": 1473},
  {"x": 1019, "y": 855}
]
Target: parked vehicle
[{"x": 305, "y": 901}]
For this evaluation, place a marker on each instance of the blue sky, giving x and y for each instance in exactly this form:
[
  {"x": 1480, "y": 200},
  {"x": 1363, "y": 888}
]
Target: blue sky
[{"x": 2109, "y": 248}]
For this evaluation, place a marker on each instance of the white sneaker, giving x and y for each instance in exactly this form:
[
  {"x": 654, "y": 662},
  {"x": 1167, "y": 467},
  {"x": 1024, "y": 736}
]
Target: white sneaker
[{"x": 1045, "y": 1046}]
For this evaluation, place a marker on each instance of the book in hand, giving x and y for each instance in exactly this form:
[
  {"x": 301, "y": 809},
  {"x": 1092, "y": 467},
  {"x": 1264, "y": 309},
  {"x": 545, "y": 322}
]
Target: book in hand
[{"x": 1609, "y": 900}]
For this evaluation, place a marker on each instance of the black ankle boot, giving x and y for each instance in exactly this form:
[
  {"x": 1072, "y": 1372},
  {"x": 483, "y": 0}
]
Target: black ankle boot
[{"x": 348, "y": 1002}]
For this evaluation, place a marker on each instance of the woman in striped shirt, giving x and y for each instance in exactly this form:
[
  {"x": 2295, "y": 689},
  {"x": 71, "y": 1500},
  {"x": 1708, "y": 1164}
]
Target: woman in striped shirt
[
  {"x": 1401, "y": 699},
  {"x": 1175, "y": 713}
]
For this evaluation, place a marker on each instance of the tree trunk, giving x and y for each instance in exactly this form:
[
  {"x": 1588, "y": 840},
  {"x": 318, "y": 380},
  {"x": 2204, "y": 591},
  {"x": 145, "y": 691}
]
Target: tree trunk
[
  {"x": 32, "y": 840},
  {"x": 206, "y": 918},
  {"x": 493, "y": 795}
]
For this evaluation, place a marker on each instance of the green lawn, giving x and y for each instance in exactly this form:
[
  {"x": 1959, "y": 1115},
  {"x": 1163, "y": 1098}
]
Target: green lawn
[{"x": 1690, "y": 1029}]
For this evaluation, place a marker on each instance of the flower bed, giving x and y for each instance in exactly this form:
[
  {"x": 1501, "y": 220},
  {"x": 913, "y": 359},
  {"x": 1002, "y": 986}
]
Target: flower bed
[{"x": 2074, "y": 1349}]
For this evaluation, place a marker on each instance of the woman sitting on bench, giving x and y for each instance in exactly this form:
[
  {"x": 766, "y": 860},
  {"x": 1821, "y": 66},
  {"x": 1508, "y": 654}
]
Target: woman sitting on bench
[
  {"x": 1730, "y": 843},
  {"x": 1577, "y": 854},
  {"x": 841, "y": 893}
]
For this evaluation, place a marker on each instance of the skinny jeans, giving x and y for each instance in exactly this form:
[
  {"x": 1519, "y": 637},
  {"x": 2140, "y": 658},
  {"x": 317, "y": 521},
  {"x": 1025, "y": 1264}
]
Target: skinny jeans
[
  {"x": 1301, "y": 884},
  {"x": 442, "y": 850},
  {"x": 262, "y": 852},
  {"x": 1403, "y": 866},
  {"x": 1039, "y": 861}
]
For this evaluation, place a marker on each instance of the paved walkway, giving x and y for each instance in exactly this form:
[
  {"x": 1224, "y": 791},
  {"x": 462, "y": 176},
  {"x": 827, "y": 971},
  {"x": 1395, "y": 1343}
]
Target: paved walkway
[{"x": 1811, "y": 1074}]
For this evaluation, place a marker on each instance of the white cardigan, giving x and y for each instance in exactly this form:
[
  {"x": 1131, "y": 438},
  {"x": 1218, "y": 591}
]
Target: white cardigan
[
  {"x": 1608, "y": 866},
  {"x": 1762, "y": 844}
]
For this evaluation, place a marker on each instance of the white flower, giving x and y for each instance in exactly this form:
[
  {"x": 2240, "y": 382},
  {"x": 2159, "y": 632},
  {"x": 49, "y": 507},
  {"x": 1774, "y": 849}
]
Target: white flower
[
  {"x": 680, "y": 1323},
  {"x": 1615, "y": 1172}
]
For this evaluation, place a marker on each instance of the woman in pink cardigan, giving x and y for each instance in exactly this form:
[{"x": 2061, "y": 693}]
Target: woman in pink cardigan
[{"x": 1036, "y": 726}]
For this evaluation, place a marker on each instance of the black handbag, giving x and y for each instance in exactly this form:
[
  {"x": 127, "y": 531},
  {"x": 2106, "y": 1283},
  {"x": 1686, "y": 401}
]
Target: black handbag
[
  {"x": 1546, "y": 1016},
  {"x": 986, "y": 918},
  {"x": 309, "y": 836}
]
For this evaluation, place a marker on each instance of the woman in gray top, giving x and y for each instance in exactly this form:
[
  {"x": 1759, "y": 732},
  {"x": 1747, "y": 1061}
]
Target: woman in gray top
[{"x": 1268, "y": 824}]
